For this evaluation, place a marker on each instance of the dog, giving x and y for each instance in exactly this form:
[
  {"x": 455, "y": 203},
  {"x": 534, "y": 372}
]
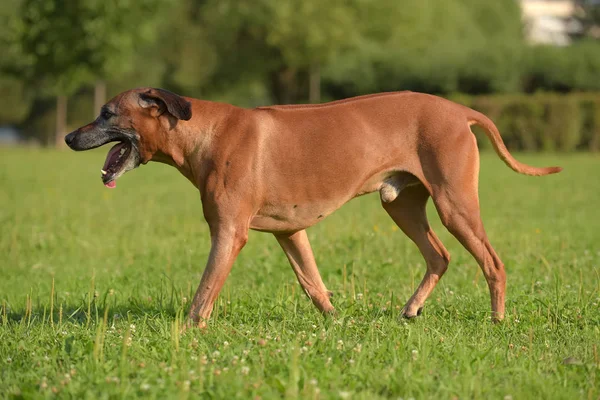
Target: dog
[{"x": 282, "y": 169}]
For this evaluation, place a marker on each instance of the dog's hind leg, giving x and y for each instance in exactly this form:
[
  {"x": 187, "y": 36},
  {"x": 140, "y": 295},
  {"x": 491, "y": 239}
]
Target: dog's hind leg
[
  {"x": 459, "y": 212},
  {"x": 409, "y": 213},
  {"x": 298, "y": 251},
  {"x": 457, "y": 203}
]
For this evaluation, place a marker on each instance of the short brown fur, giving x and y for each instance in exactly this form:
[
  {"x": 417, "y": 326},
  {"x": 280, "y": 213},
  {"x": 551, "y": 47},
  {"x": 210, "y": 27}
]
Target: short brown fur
[{"x": 281, "y": 169}]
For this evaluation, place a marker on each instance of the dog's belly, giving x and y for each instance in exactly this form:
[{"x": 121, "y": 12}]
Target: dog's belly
[
  {"x": 293, "y": 217},
  {"x": 283, "y": 215}
]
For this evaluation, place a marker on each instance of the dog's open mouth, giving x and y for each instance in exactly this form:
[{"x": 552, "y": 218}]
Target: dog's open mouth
[{"x": 117, "y": 162}]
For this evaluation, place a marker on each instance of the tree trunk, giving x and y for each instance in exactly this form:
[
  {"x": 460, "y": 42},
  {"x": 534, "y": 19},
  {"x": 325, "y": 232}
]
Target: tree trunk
[
  {"x": 314, "y": 85},
  {"x": 61, "y": 120},
  {"x": 283, "y": 85},
  {"x": 99, "y": 96}
]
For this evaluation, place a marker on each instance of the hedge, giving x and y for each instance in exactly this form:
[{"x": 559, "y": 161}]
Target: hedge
[{"x": 543, "y": 121}]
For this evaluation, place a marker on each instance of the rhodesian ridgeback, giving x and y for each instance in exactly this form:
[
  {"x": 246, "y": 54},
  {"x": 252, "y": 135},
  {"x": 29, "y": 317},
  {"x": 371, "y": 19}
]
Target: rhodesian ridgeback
[{"x": 282, "y": 169}]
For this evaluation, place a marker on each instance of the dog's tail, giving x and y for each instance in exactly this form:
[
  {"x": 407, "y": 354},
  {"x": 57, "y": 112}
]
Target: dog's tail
[{"x": 477, "y": 118}]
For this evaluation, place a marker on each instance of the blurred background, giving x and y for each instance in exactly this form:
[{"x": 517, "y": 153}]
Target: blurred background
[{"x": 533, "y": 66}]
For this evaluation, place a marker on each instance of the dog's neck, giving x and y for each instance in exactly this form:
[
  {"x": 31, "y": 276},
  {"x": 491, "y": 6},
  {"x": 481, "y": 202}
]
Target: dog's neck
[{"x": 188, "y": 143}]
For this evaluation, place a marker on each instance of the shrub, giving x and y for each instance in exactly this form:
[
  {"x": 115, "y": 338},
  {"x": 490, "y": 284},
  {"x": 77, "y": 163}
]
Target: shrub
[{"x": 541, "y": 122}]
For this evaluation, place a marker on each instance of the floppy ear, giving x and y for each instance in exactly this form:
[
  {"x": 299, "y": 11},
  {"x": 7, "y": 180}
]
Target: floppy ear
[{"x": 162, "y": 99}]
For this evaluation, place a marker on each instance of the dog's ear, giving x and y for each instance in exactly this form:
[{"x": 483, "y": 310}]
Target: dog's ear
[{"x": 162, "y": 99}]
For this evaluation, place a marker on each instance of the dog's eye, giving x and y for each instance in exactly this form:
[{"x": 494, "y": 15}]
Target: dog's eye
[{"x": 106, "y": 114}]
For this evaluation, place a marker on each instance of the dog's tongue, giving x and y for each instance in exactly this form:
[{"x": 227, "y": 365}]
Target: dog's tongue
[{"x": 111, "y": 184}]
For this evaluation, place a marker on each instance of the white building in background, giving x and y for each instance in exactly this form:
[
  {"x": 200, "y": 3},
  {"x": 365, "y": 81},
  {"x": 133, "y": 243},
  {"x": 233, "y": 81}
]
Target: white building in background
[{"x": 550, "y": 21}]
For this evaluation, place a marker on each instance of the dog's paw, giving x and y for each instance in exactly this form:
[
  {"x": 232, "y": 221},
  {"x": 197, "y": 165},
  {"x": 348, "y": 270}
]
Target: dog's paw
[
  {"x": 330, "y": 313},
  {"x": 408, "y": 315},
  {"x": 497, "y": 318},
  {"x": 192, "y": 325}
]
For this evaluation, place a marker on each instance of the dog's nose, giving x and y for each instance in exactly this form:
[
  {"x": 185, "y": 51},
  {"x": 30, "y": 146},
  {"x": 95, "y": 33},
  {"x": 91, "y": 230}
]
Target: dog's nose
[{"x": 69, "y": 138}]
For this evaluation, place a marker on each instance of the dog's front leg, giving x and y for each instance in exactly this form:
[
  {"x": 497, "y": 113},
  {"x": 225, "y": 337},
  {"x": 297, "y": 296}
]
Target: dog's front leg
[{"x": 226, "y": 242}]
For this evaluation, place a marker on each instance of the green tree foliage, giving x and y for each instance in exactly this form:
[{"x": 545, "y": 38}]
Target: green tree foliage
[
  {"x": 16, "y": 103},
  {"x": 276, "y": 42},
  {"x": 574, "y": 68},
  {"x": 67, "y": 45},
  {"x": 436, "y": 46},
  {"x": 588, "y": 14},
  {"x": 62, "y": 46},
  {"x": 253, "y": 52}
]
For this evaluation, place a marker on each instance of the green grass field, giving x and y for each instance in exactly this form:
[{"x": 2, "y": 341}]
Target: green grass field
[{"x": 94, "y": 283}]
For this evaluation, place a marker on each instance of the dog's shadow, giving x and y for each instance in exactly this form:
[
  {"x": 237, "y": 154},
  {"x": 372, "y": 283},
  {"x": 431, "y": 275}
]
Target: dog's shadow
[
  {"x": 110, "y": 310},
  {"x": 85, "y": 314}
]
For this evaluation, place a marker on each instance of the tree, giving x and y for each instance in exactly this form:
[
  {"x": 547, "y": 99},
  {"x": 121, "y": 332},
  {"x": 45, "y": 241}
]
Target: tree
[
  {"x": 436, "y": 46},
  {"x": 16, "y": 101},
  {"x": 280, "y": 43},
  {"x": 68, "y": 45},
  {"x": 588, "y": 14}
]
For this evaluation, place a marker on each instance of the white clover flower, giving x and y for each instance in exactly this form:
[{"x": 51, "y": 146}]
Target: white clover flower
[{"x": 245, "y": 370}]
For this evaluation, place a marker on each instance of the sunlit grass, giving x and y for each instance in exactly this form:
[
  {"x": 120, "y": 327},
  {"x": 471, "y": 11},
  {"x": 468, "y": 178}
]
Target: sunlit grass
[{"x": 95, "y": 283}]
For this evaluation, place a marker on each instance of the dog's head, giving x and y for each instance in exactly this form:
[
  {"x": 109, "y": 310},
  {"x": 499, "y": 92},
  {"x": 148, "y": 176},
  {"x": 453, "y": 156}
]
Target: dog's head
[{"x": 134, "y": 119}]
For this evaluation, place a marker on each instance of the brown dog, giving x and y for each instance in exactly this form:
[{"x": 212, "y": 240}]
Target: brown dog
[{"x": 282, "y": 169}]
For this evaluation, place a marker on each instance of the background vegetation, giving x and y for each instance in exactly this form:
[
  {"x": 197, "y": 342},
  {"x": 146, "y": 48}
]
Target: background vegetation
[
  {"x": 94, "y": 283},
  {"x": 60, "y": 61}
]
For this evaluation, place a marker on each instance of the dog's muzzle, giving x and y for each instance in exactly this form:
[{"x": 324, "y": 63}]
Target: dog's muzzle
[{"x": 122, "y": 157}]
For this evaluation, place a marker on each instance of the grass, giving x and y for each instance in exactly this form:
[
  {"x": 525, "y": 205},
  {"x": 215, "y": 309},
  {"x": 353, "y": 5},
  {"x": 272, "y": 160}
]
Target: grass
[{"x": 95, "y": 282}]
